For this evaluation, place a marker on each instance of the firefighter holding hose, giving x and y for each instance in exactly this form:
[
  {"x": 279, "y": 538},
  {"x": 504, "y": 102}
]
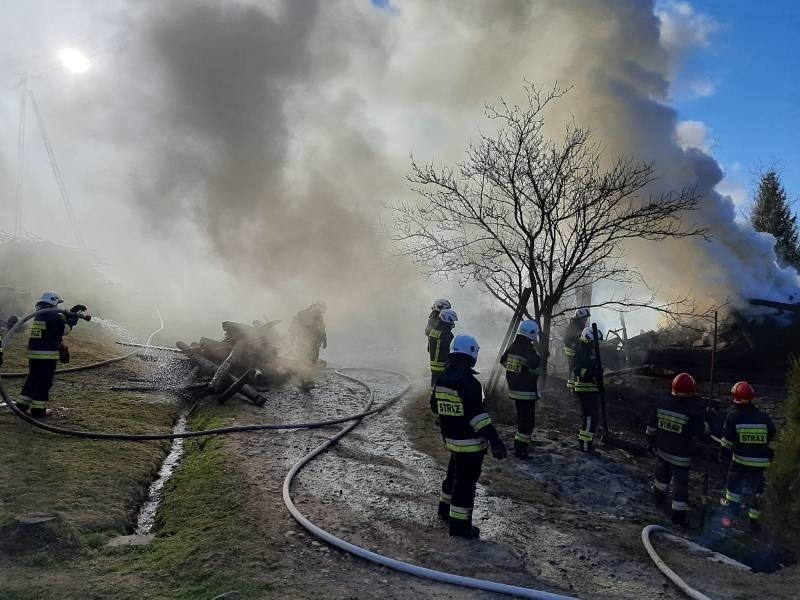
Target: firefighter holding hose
[{"x": 45, "y": 349}]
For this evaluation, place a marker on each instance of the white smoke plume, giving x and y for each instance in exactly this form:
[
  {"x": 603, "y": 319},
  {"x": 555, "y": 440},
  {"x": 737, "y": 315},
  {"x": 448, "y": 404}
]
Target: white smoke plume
[{"x": 240, "y": 154}]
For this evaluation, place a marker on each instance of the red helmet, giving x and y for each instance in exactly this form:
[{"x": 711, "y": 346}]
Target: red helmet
[
  {"x": 684, "y": 385},
  {"x": 743, "y": 393}
]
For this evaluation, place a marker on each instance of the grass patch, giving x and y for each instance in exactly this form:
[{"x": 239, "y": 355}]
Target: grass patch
[
  {"x": 93, "y": 485},
  {"x": 207, "y": 542}
]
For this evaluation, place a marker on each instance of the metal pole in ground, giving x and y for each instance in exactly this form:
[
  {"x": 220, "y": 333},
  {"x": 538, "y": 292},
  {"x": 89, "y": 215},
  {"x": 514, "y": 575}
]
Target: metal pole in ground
[{"x": 706, "y": 500}]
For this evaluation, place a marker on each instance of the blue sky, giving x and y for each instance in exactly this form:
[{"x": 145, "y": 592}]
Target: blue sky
[{"x": 744, "y": 85}]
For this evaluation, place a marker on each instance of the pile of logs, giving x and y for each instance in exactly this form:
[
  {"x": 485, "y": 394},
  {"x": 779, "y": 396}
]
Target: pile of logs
[{"x": 245, "y": 362}]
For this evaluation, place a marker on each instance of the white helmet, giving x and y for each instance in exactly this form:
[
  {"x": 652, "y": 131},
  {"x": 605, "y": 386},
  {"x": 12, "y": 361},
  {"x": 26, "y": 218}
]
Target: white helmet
[
  {"x": 530, "y": 329},
  {"x": 465, "y": 344},
  {"x": 441, "y": 304},
  {"x": 587, "y": 335},
  {"x": 581, "y": 313},
  {"x": 52, "y": 298},
  {"x": 448, "y": 315}
]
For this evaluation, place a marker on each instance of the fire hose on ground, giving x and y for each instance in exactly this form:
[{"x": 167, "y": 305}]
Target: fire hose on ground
[{"x": 354, "y": 421}]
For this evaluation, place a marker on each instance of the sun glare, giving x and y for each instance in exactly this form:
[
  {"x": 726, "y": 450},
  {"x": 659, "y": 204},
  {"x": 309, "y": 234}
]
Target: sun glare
[{"x": 73, "y": 60}]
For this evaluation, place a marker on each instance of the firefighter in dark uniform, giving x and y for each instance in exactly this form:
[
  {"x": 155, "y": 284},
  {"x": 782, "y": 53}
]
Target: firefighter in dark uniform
[
  {"x": 10, "y": 322},
  {"x": 467, "y": 430},
  {"x": 671, "y": 430},
  {"x": 521, "y": 362},
  {"x": 307, "y": 332},
  {"x": 586, "y": 382},
  {"x": 439, "y": 339},
  {"x": 433, "y": 318},
  {"x": 749, "y": 438},
  {"x": 572, "y": 338},
  {"x": 45, "y": 349}
]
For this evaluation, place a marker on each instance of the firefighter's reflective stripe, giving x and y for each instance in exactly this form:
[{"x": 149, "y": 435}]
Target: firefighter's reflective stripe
[
  {"x": 660, "y": 486},
  {"x": 678, "y": 461},
  {"x": 515, "y": 395},
  {"x": 570, "y": 384},
  {"x": 678, "y": 505},
  {"x": 585, "y": 435},
  {"x": 754, "y": 514},
  {"x": 42, "y": 354},
  {"x": 468, "y": 445},
  {"x": 751, "y": 461},
  {"x": 448, "y": 402},
  {"x": 460, "y": 513},
  {"x": 435, "y": 333},
  {"x": 732, "y": 496},
  {"x": 581, "y": 386},
  {"x": 726, "y": 443},
  {"x": 514, "y": 363},
  {"x": 752, "y": 433},
  {"x": 569, "y": 352},
  {"x": 38, "y": 404},
  {"x": 480, "y": 421},
  {"x": 521, "y": 437},
  {"x": 445, "y": 498},
  {"x": 437, "y": 367}
]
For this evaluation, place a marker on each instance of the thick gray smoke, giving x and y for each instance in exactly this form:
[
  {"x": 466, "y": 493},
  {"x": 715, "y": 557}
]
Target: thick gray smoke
[{"x": 252, "y": 144}]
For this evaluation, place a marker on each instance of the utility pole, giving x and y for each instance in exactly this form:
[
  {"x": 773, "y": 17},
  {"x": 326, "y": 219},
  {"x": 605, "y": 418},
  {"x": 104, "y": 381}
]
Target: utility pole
[
  {"x": 62, "y": 187},
  {"x": 23, "y": 96}
]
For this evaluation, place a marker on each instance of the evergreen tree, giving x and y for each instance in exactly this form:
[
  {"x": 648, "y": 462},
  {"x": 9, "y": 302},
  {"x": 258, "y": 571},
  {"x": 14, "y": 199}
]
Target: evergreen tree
[{"x": 771, "y": 214}]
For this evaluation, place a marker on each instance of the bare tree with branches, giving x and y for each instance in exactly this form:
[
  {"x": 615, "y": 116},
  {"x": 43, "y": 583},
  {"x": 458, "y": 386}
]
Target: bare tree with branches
[{"x": 522, "y": 210}]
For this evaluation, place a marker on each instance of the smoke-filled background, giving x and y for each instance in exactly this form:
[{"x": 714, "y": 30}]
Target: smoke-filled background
[{"x": 233, "y": 160}]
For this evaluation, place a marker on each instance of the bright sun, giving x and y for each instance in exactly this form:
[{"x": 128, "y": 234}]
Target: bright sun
[{"x": 75, "y": 61}]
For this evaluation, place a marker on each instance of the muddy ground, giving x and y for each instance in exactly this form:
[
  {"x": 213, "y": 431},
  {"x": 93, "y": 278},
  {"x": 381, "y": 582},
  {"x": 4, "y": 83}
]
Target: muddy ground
[{"x": 562, "y": 522}]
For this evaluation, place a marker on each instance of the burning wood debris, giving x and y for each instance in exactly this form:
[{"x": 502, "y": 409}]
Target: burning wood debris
[{"x": 246, "y": 362}]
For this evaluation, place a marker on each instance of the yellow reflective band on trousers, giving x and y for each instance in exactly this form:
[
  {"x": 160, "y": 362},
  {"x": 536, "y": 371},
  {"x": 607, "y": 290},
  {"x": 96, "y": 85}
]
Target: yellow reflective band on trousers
[
  {"x": 521, "y": 437},
  {"x": 462, "y": 514},
  {"x": 42, "y": 354},
  {"x": 732, "y": 497},
  {"x": 585, "y": 436},
  {"x": 754, "y": 514},
  {"x": 515, "y": 395},
  {"x": 581, "y": 386},
  {"x": 467, "y": 445},
  {"x": 751, "y": 461},
  {"x": 569, "y": 352},
  {"x": 678, "y": 461}
]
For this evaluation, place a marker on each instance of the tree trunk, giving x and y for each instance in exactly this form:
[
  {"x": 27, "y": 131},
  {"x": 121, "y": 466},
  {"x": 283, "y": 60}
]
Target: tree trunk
[{"x": 544, "y": 344}]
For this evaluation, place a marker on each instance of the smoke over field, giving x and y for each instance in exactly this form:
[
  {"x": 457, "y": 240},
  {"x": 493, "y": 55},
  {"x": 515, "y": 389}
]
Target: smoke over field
[{"x": 239, "y": 155}]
